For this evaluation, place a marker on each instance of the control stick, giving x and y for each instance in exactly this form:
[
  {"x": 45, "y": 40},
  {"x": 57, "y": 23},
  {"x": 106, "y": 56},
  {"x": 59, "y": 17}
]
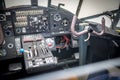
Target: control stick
[
  {"x": 90, "y": 30},
  {"x": 86, "y": 31}
]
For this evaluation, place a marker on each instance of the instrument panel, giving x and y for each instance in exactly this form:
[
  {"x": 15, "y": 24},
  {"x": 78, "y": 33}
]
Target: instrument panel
[
  {"x": 31, "y": 21},
  {"x": 23, "y": 27},
  {"x": 38, "y": 38},
  {"x": 51, "y": 22},
  {"x": 60, "y": 22}
]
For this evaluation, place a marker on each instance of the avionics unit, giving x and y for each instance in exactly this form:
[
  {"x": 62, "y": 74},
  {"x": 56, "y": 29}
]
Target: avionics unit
[
  {"x": 37, "y": 54},
  {"x": 31, "y": 21}
]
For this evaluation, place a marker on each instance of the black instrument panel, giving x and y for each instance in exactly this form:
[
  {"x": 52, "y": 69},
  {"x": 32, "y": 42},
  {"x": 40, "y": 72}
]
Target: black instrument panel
[
  {"x": 51, "y": 22},
  {"x": 60, "y": 22},
  {"x": 30, "y": 20},
  {"x": 26, "y": 23},
  {"x": 39, "y": 36}
]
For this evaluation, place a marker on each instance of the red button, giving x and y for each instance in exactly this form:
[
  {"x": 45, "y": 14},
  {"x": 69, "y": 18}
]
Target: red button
[{"x": 49, "y": 44}]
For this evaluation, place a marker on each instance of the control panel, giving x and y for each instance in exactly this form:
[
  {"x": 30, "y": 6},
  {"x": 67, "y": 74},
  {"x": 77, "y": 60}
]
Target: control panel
[
  {"x": 38, "y": 35},
  {"x": 35, "y": 38},
  {"x": 31, "y": 21},
  {"x": 8, "y": 48},
  {"x": 37, "y": 52},
  {"x": 60, "y": 22},
  {"x": 52, "y": 23}
]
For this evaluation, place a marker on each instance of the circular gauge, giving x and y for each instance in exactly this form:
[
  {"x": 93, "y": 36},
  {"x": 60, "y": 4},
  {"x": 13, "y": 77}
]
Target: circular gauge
[
  {"x": 2, "y": 17},
  {"x": 5, "y": 27},
  {"x": 57, "y": 17},
  {"x": 65, "y": 22},
  {"x": 10, "y": 45},
  {"x": 50, "y": 42},
  {"x": 8, "y": 33},
  {"x": 18, "y": 30}
]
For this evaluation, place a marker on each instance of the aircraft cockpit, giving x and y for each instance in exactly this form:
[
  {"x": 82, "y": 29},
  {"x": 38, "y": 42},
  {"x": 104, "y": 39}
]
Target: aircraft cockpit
[{"x": 41, "y": 36}]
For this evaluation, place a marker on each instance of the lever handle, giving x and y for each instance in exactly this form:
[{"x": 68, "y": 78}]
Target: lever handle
[
  {"x": 86, "y": 31},
  {"x": 103, "y": 28},
  {"x": 73, "y": 27},
  {"x": 60, "y": 4}
]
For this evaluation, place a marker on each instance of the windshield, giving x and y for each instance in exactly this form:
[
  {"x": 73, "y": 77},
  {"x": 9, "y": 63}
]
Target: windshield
[{"x": 89, "y": 7}]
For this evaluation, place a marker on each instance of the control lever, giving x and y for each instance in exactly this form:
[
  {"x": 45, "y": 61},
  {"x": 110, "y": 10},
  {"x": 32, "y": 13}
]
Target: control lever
[
  {"x": 59, "y": 5},
  {"x": 34, "y": 50},
  {"x": 30, "y": 53},
  {"x": 89, "y": 30}
]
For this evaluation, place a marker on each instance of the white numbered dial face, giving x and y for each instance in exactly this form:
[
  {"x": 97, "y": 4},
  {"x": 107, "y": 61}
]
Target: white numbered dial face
[
  {"x": 50, "y": 42},
  {"x": 57, "y": 17}
]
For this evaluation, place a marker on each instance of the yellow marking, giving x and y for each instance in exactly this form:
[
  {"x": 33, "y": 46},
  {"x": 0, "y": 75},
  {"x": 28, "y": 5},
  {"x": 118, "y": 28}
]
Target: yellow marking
[
  {"x": 117, "y": 30},
  {"x": 71, "y": 78}
]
